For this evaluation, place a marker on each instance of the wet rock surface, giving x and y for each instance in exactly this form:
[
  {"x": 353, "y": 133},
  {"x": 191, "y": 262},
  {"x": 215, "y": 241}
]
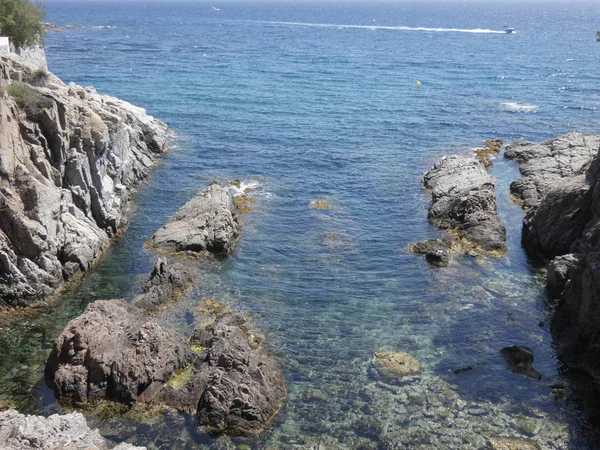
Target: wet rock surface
[
  {"x": 208, "y": 222},
  {"x": 68, "y": 170},
  {"x": 167, "y": 281},
  {"x": 114, "y": 352},
  {"x": 396, "y": 365},
  {"x": 464, "y": 202},
  {"x": 437, "y": 251},
  {"x": 520, "y": 360},
  {"x": 547, "y": 163},
  {"x": 69, "y": 431}
]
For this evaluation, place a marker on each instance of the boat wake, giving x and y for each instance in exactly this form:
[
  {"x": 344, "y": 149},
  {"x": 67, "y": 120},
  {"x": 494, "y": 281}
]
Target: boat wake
[
  {"x": 517, "y": 107},
  {"x": 392, "y": 28}
]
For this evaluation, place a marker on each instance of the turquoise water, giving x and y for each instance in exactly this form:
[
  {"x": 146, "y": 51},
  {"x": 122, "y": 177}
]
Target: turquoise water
[{"x": 318, "y": 101}]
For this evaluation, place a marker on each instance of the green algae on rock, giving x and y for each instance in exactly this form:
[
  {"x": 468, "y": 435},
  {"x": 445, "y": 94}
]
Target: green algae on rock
[{"x": 396, "y": 365}]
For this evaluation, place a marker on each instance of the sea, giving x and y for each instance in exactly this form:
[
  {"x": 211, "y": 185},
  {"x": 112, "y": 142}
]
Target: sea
[{"x": 307, "y": 101}]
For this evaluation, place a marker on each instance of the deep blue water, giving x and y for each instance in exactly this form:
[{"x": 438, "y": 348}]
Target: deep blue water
[{"x": 318, "y": 101}]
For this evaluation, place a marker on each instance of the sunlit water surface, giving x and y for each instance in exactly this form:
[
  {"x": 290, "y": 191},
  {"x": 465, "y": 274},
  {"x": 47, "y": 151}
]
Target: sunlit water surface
[{"x": 319, "y": 101}]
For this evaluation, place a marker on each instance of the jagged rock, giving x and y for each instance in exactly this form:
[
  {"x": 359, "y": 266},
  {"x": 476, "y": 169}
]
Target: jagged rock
[
  {"x": 166, "y": 282},
  {"x": 208, "y": 222},
  {"x": 551, "y": 227},
  {"x": 396, "y": 365},
  {"x": 68, "y": 432},
  {"x": 545, "y": 164},
  {"x": 436, "y": 251},
  {"x": 490, "y": 148},
  {"x": 565, "y": 225},
  {"x": 111, "y": 352},
  {"x": 66, "y": 176},
  {"x": 520, "y": 360},
  {"x": 560, "y": 270},
  {"x": 464, "y": 200},
  {"x": 245, "y": 388}
]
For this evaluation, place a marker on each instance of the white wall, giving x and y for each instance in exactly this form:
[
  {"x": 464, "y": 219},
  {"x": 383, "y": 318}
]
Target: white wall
[{"x": 4, "y": 45}]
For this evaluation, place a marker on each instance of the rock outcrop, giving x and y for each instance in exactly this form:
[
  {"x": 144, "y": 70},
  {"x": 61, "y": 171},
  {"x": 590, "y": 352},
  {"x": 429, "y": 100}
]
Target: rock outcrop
[
  {"x": 69, "y": 432},
  {"x": 564, "y": 227},
  {"x": 166, "y": 282},
  {"x": 114, "y": 352},
  {"x": 544, "y": 165},
  {"x": 464, "y": 201},
  {"x": 70, "y": 160},
  {"x": 208, "y": 222},
  {"x": 111, "y": 352}
]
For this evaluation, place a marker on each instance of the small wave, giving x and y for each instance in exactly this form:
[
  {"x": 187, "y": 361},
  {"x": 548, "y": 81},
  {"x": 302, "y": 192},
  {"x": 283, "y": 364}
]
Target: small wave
[
  {"x": 104, "y": 27},
  {"x": 245, "y": 186},
  {"x": 520, "y": 107},
  {"x": 383, "y": 27}
]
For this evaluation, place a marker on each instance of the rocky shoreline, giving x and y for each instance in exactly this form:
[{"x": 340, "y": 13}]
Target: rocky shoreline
[
  {"x": 561, "y": 185},
  {"x": 70, "y": 161}
]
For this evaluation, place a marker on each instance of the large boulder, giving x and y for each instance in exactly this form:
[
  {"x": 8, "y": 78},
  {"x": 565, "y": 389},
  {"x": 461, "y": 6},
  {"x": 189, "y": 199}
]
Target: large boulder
[
  {"x": 245, "y": 389},
  {"x": 464, "y": 201},
  {"x": 111, "y": 352},
  {"x": 545, "y": 164},
  {"x": 208, "y": 222},
  {"x": 70, "y": 160}
]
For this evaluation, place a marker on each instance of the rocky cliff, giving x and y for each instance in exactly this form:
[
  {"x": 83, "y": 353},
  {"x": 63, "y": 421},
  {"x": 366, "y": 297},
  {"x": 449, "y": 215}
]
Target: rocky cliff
[
  {"x": 70, "y": 160},
  {"x": 563, "y": 227}
]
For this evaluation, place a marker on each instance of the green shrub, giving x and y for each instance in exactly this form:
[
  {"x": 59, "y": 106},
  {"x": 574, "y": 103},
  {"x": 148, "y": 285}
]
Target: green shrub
[
  {"x": 38, "y": 78},
  {"x": 28, "y": 99},
  {"x": 21, "y": 21}
]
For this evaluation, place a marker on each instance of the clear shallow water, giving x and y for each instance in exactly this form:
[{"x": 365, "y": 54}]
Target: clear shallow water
[{"x": 319, "y": 102}]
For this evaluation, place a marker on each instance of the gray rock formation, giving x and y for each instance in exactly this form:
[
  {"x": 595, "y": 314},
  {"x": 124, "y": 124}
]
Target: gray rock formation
[
  {"x": 208, "y": 222},
  {"x": 166, "y": 282},
  {"x": 565, "y": 225},
  {"x": 464, "y": 201},
  {"x": 545, "y": 164},
  {"x": 67, "y": 172},
  {"x": 68, "y": 432}
]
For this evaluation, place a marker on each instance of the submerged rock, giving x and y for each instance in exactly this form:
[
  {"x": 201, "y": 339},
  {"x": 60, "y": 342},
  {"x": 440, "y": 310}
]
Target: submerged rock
[
  {"x": 544, "y": 165},
  {"x": 520, "y": 360},
  {"x": 208, "y": 222},
  {"x": 70, "y": 160},
  {"x": 396, "y": 365},
  {"x": 489, "y": 149},
  {"x": 69, "y": 431},
  {"x": 512, "y": 443},
  {"x": 166, "y": 282},
  {"x": 436, "y": 251},
  {"x": 464, "y": 201}
]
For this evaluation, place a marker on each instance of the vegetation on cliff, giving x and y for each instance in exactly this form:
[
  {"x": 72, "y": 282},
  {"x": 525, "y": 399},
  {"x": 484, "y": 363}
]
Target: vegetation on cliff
[{"x": 21, "y": 21}]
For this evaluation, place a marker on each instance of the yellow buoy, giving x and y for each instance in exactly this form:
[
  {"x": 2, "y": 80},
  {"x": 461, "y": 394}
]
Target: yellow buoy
[{"x": 418, "y": 84}]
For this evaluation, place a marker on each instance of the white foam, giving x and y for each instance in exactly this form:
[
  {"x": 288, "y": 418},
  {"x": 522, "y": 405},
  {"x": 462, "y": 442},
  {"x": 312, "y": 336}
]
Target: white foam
[
  {"x": 245, "y": 184},
  {"x": 520, "y": 107},
  {"x": 392, "y": 28}
]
